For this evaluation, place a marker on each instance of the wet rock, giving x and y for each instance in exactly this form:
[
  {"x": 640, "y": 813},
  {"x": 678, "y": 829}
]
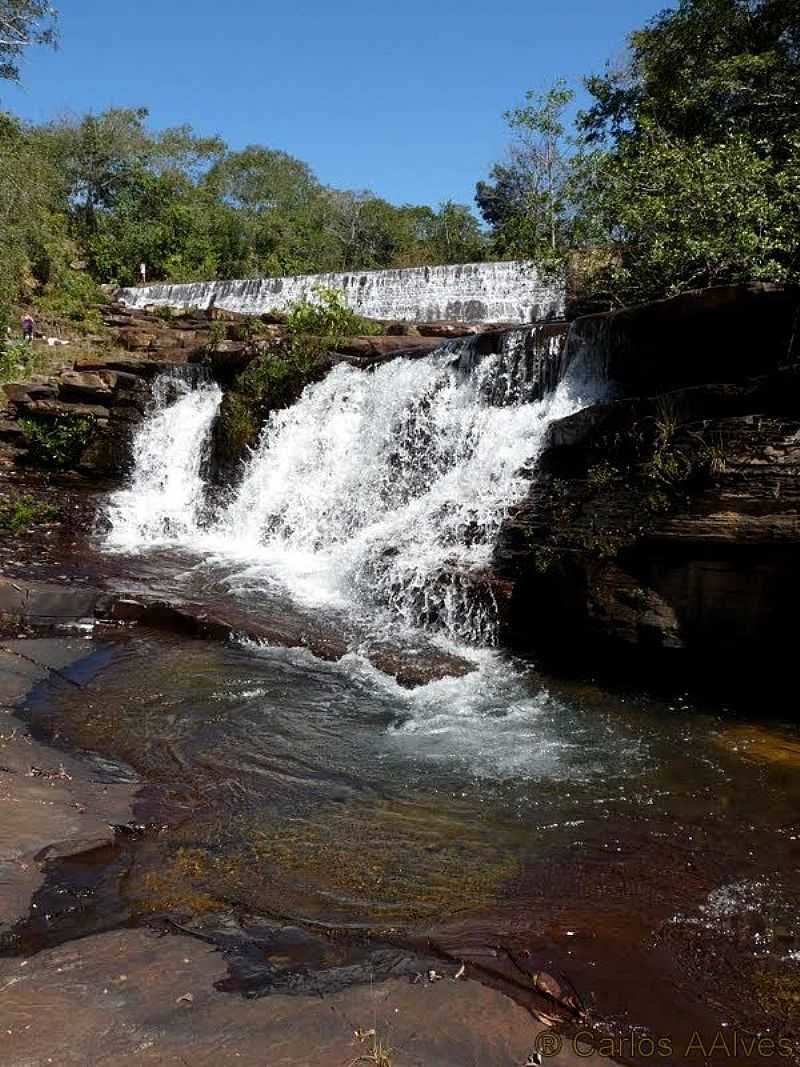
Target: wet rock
[
  {"x": 123, "y": 994},
  {"x": 380, "y": 349},
  {"x": 415, "y": 667},
  {"x": 62, "y": 813},
  {"x": 43, "y": 604}
]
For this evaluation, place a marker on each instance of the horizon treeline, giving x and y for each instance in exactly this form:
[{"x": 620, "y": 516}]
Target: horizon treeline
[
  {"x": 682, "y": 171},
  {"x": 109, "y": 192}
]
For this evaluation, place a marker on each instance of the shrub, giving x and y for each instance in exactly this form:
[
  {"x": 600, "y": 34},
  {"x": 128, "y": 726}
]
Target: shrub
[
  {"x": 326, "y": 317},
  {"x": 57, "y": 444}
]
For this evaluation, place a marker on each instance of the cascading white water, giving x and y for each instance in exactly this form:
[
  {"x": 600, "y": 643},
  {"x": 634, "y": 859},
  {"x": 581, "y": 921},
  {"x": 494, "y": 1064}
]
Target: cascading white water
[
  {"x": 376, "y": 490},
  {"x": 390, "y": 487},
  {"x": 165, "y": 498},
  {"x": 466, "y": 292}
]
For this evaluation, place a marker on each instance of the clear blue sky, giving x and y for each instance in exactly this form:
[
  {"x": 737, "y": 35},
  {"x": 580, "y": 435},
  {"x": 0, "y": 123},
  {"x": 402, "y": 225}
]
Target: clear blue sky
[{"x": 404, "y": 97}]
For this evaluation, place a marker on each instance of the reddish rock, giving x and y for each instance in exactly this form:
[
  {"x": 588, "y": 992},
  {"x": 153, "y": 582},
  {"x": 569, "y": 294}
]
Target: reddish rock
[
  {"x": 84, "y": 385},
  {"x": 22, "y": 392},
  {"x": 57, "y": 409},
  {"x": 380, "y": 349},
  {"x": 135, "y": 339},
  {"x": 133, "y": 997}
]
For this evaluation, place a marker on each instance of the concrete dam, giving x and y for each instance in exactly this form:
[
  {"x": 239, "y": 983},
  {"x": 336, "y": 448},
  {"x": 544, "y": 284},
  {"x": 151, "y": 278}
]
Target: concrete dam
[{"x": 509, "y": 292}]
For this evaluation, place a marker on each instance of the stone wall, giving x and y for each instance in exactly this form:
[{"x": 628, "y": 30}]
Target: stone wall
[{"x": 507, "y": 292}]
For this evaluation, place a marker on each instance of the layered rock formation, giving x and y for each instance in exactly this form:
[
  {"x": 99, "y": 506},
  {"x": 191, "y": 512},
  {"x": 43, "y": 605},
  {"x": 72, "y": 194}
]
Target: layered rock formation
[{"x": 667, "y": 524}]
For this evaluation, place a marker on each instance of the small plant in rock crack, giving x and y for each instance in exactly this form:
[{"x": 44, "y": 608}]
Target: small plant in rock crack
[
  {"x": 377, "y": 1053},
  {"x": 217, "y": 331}
]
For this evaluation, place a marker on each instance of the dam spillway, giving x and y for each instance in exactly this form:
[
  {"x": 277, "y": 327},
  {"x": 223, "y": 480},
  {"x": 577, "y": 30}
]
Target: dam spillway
[{"x": 508, "y": 292}]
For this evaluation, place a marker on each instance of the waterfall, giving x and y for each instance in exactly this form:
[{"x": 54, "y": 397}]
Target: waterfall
[
  {"x": 506, "y": 292},
  {"x": 165, "y": 498},
  {"x": 378, "y": 491}
]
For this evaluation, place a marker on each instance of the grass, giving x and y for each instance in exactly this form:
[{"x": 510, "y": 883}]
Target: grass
[
  {"x": 20, "y": 513},
  {"x": 378, "y": 1053},
  {"x": 19, "y": 360}
]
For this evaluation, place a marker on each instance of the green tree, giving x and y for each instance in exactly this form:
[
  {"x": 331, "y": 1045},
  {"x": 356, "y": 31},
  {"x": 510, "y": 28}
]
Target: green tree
[
  {"x": 35, "y": 247},
  {"x": 707, "y": 68},
  {"x": 527, "y": 202},
  {"x": 695, "y": 148},
  {"x": 98, "y": 155},
  {"x": 682, "y": 214},
  {"x": 23, "y": 23},
  {"x": 262, "y": 179}
]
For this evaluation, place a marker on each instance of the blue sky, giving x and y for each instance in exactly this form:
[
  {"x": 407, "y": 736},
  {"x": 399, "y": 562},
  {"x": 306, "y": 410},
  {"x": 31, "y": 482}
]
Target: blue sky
[{"x": 405, "y": 98}]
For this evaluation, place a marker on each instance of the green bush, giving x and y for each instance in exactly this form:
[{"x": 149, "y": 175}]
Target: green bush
[
  {"x": 73, "y": 295},
  {"x": 326, "y": 317},
  {"x": 19, "y": 360},
  {"x": 57, "y": 444},
  {"x": 235, "y": 429}
]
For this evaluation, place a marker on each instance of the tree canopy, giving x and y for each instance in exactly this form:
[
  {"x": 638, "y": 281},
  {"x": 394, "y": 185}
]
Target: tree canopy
[
  {"x": 110, "y": 192},
  {"x": 682, "y": 171},
  {"x": 23, "y": 23}
]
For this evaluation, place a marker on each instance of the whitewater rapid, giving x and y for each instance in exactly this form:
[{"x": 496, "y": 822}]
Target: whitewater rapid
[
  {"x": 377, "y": 491},
  {"x": 164, "y": 500}
]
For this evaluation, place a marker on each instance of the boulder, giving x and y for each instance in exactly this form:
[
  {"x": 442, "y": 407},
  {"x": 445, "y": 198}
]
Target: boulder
[{"x": 84, "y": 385}]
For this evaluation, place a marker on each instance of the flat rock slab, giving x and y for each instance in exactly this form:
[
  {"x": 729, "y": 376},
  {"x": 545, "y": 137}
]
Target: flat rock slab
[
  {"x": 52, "y": 804},
  {"x": 132, "y": 997},
  {"x": 43, "y": 604}
]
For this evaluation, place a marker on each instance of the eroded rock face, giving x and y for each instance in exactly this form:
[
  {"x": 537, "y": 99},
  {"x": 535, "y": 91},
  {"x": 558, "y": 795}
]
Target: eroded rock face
[{"x": 669, "y": 526}]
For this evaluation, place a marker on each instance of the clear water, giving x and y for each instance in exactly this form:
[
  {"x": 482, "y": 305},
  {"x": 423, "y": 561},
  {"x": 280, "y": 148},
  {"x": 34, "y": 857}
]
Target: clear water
[{"x": 625, "y": 842}]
